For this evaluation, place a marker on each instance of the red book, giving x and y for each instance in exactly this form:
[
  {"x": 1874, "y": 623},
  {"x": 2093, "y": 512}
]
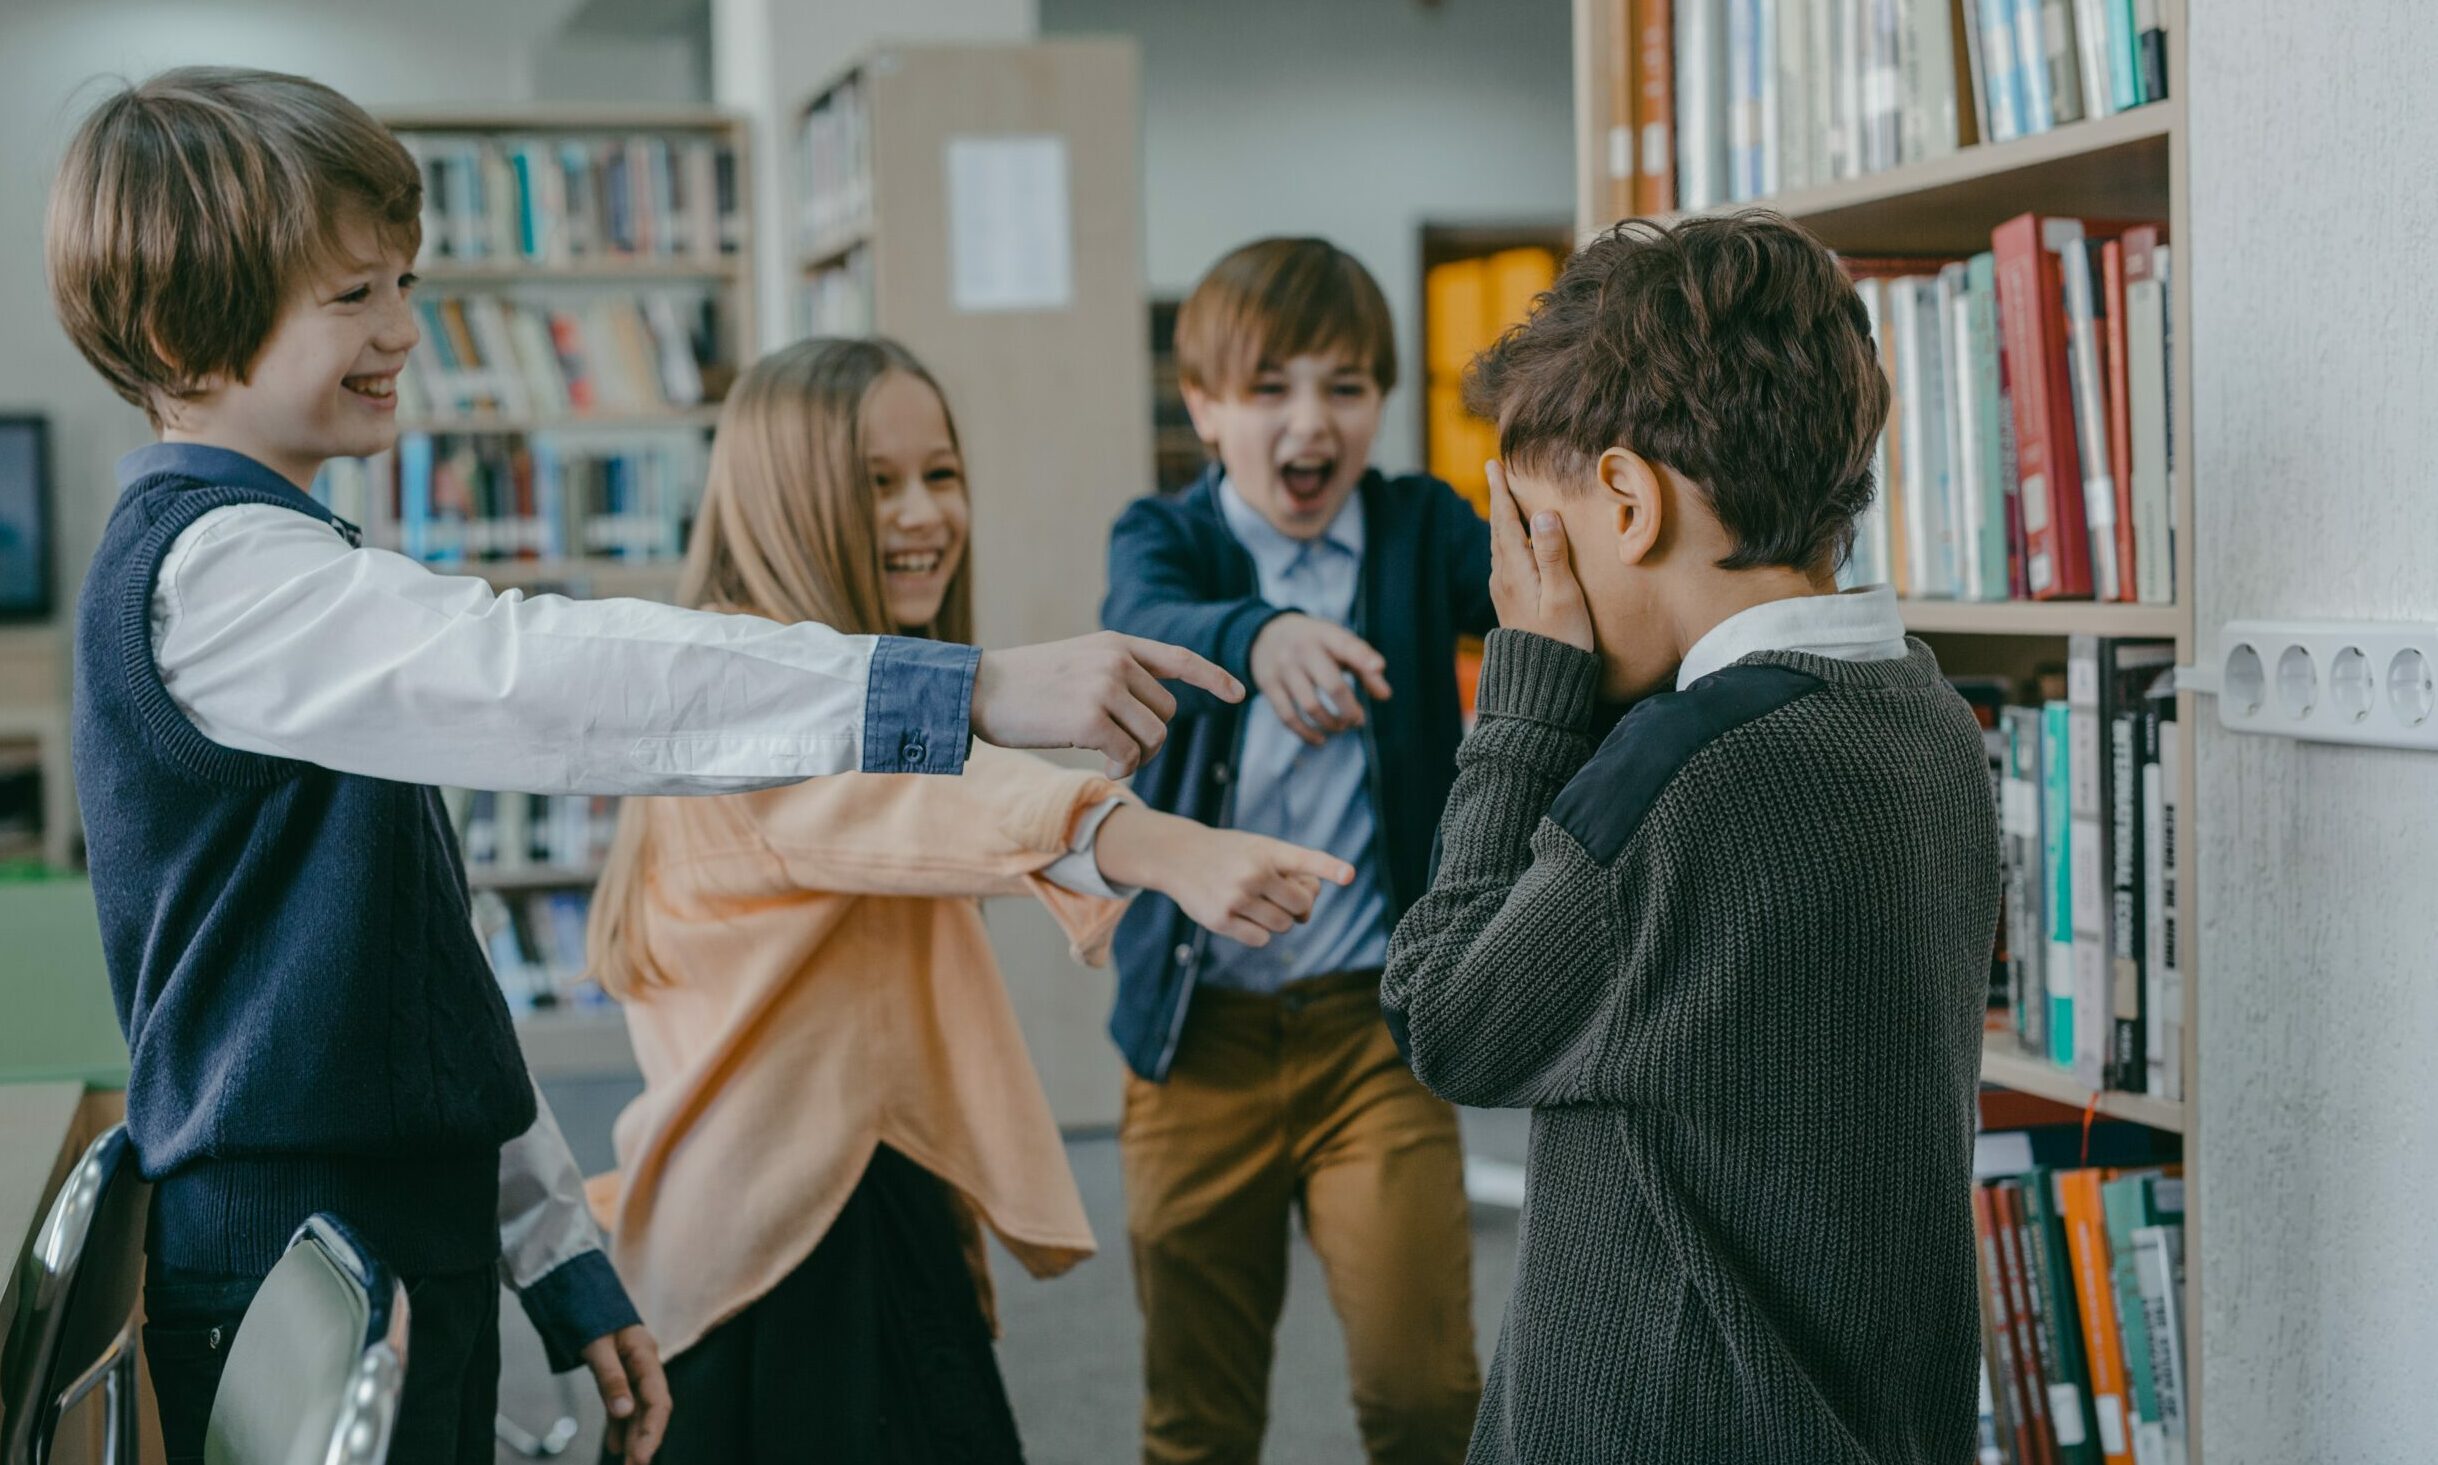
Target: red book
[
  {"x": 2120, "y": 415},
  {"x": 1624, "y": 137},
  {"x": 2048, "y": 472},
  {"x": 2031, "y": 1350},
  {"x": 1654, "y": 109},
  {"x": 2006, "y": 1383}
]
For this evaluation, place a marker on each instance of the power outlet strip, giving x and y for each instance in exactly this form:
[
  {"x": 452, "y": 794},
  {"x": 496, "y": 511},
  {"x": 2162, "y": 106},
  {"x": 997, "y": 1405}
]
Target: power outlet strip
[{"x": 2361, "y": 682}]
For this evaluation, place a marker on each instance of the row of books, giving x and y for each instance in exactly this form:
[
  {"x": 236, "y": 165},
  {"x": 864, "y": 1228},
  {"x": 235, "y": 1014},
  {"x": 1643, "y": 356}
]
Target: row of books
[
  {"x": 1728, "y": 101},
  {"x": 489, "y": 354},
  {"x": 2089, "y": 786},
  {"x": 834, "y": 149},
  {"x": 535, "y": 940},
  {"x": 521, "y": 832},
  {"x": 837, "y": 298},
  {"x": 2085, "y": 1356},
  {"x": 2029, "y": 452},
  {"x": 554, "y": 202},
  {"x": 462, "y": 498}
]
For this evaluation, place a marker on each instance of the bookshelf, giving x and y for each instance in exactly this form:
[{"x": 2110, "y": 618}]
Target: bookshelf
[
  {"x": 34, "y": 741},
  {"x": 586, "y": 298},
  {"x": 2130, "y": 165}
]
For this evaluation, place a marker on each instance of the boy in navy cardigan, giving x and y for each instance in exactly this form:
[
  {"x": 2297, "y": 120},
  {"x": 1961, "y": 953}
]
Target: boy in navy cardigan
[
  {"x": 1265, "y": 1078},
  {"x": 261, "y": 705}
]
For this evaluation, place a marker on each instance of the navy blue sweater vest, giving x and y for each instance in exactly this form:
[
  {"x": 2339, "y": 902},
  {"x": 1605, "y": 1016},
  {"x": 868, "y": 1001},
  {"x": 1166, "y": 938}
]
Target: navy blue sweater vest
[{"x": 312, "y": 1024}]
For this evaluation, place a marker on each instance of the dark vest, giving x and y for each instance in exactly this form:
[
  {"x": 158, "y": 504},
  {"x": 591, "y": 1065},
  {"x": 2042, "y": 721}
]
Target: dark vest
[{"x": 311, "y": 1021}]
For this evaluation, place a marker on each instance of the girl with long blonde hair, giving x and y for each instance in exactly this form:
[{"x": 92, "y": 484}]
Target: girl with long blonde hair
[{"x": 837, "y": 1101}]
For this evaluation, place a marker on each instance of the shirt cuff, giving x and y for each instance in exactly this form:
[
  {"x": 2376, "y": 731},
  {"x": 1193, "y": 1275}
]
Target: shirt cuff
[
  {"x": 1078, "y": 870},
  {"x": 918, "y": 706},
  {"x": 574, "y": 1303}
]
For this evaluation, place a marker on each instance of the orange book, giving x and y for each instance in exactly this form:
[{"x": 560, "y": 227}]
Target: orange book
[
  {"x": 1654, "y": 108},
  {"x": 2086, "y": 1219},
  {"x": 1623, "y": 46},
  {"x": 2120, "y": 413}
]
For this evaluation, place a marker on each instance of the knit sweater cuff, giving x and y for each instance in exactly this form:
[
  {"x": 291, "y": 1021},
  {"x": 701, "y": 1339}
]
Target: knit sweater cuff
[{"x": 1530, "y": 676}]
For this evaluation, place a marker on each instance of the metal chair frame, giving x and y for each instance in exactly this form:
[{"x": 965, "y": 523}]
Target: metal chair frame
[{"x": 76, "y": 1310}]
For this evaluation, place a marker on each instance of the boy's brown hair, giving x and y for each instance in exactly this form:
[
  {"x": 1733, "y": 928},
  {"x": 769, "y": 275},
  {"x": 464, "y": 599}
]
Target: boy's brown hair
[
  {"x": 1732, "y": 349},
  {"x": 188, "y": 207},
  {"x": 1276, "y": 299}
]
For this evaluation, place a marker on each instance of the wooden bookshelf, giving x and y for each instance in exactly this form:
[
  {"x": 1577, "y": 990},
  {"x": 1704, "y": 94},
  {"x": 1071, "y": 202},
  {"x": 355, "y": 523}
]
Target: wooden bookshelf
[
  {"x": 2132, "y": 165},
  {"x": 678, "y": 267},
  {"x": 531, "y": 877},
  {"x": 496, "y": 424}
]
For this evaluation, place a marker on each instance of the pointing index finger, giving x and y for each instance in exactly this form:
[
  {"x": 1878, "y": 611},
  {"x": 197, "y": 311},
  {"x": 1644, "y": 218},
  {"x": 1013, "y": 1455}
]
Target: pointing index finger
[{"x": 1176, "y": 664}]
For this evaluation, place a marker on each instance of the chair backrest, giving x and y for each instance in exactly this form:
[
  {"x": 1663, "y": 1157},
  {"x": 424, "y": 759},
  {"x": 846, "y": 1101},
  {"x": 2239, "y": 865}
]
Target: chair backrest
[
  {"x": 314, "y": 1374},
  {"x": 76, "y": 1298}
]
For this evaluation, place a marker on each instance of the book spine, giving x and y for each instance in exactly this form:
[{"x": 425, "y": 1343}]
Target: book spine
[
  {"x": 1969, "y": 509},
  {"x": 2130, "y": 1202},
  {"x": 2056, "y": 825},
  {"x": 2052, "y": 1271},
  {"x": 2146, "y": 419},
  {"x": 1789, "y": 103},
  {"x": 2002, "y": 78},
  {"x": 2031, "y": 1358},
  {"x": 2091, "y": 55},
  {"x": 1986, "y": 408},
  {"x": 1701, "y": 104},
  {"x": 1745, "y": 55},
  {"x": 2031, "y": 63},
  {"x": 1883, "y": 87},
  {"x": 1930, "y": 535},
  {"x": 1624, "y": 47},
  {"x": 2120, "y": 441},
  {"x": 2124, "y": 55},
  {"x": 1934, "y": 110},
  {"x": 2048, "y": 471},
  {"x": 2088, "y": 837},
  {"x": 2087, "y": 371},
  {"x": 1975, "y": 56},
  {"x": 1870, "y": 563},
  {"x": 2027, "y": 938},
  {"x": 2170, "y": 1011},
  {"x": 2128, "y": 1053},
  {"x": 1851, "y": 21},
  {"x": 2062, "y": 61},
  {"x": 2095, "y": 1299},
  {"x": 1820, "y": 91},
  {"x": 2154, "y": 924},
  {"x": 2159, "y": 1264},
  {"x": 1655, "y": 107},
  {"x": 2152, "y": 38},
  {"x": 1997, "y": 1332}
]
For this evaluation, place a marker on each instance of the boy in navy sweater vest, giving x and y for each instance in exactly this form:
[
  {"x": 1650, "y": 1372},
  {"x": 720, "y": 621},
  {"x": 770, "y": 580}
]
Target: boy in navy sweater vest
[
  {"x": 1264, "y": 1080},
  {"x": 261, "y": 705}
]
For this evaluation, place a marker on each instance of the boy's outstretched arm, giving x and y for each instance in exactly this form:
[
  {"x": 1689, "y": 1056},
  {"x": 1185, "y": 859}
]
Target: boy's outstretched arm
[{"x": 273, "y": 635}]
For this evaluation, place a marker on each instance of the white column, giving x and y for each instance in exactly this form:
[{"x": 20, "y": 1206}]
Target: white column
[{"x": 768, "y": 57}]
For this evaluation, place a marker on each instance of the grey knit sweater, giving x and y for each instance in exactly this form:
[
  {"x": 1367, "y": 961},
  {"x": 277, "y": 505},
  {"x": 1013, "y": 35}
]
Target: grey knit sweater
[{"x": 1734, "y": 960}]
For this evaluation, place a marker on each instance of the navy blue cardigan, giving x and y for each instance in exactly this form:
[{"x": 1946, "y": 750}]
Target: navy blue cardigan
[{"x": 1177, "y": 574}]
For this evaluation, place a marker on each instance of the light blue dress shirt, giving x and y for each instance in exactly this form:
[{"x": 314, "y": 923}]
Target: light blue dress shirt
[{"x": 1286, "y": 788}]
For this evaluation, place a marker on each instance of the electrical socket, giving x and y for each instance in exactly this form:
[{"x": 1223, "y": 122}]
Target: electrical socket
[{"x": 2363, "y": 682}]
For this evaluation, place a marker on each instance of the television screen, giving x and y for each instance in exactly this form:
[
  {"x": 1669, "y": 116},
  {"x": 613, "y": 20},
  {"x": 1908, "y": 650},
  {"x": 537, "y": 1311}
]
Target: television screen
[{"x": 25, "y": 519}]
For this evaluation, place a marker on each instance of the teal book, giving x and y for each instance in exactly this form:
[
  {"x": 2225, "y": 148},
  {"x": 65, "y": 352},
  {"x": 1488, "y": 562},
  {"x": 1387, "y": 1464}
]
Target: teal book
[
  {"x": 2071, "y": 1418},
  {"x": 2057, "y": 853},
  {"x": 2124, "y": 56},
  {"x": 2143, "y": 1198}
]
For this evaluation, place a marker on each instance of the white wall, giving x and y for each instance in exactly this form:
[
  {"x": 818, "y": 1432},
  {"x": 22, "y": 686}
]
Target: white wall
[
  {"x": 2317, "y": 383},
  {"x": 1358, "y": 120},
  {"x": 56, "y": 59}
]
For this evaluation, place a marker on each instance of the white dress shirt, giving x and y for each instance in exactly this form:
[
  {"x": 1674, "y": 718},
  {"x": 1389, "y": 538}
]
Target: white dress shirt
[{"x": 1854, "y": 625}]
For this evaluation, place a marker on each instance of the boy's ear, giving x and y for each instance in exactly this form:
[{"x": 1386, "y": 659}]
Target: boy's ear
[
  {"x": 1631, "y": 487},
  {"x": 1198, "y": 405}
]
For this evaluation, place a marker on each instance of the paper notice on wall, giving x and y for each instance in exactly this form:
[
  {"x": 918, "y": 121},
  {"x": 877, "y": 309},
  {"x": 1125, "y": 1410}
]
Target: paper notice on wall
[{"x": 1010, "y": 246}]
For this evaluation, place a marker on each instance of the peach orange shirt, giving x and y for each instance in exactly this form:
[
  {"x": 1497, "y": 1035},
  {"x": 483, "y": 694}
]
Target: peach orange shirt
[{"x": 832, "y": 989}]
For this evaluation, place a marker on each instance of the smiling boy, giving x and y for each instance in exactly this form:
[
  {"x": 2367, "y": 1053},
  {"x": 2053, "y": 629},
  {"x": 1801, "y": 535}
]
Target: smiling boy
[
  {"x": 1733, "y": 957},
  {"x": 261, "y": 704},
  {"x": 1263, "y": 1079}
]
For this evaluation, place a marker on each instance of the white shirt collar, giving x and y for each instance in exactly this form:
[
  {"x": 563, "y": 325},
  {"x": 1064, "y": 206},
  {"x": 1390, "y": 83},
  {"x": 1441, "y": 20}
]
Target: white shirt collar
[
  {"x": 1275, "y": 551},
  {"x": 1857, "y": 625}
]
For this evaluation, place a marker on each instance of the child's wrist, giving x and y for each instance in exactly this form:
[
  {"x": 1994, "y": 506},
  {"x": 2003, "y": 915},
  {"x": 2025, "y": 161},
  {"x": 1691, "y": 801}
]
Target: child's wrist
[
  {"x": 1532, "y": 676},
  {"x": 1129, "y": 846}
]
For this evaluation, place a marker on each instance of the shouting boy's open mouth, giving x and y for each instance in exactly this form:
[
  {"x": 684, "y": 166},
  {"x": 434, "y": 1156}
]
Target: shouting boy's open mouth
[{"x": 1306, "y": 480}]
